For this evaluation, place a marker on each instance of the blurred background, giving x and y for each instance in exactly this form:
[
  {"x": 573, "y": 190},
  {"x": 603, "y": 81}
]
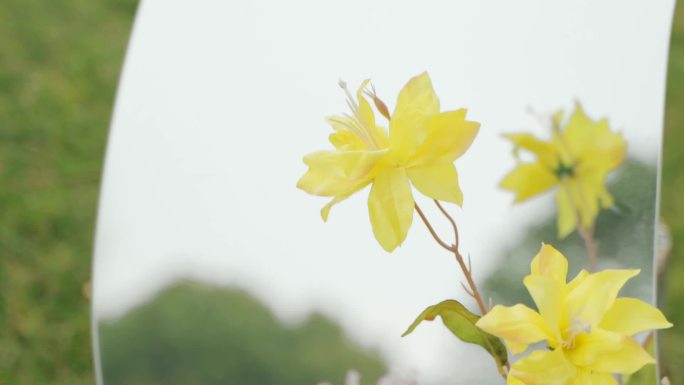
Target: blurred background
[{"x": 59, "y": 67}]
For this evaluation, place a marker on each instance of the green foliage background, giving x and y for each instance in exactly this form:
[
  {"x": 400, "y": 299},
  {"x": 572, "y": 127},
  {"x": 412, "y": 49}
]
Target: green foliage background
[
  {"x": 59, "y": 65},
  {"x": 672, "y": 204},
  {"x": 196, "y": 334},
  {"x": 624, "y": 236}
]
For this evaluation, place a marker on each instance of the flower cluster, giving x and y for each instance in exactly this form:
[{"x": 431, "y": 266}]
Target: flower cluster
[
  {"x": 582, "y": 332},
  {"x": 587, "y": 329},
  {"x": 577, "y": 159}
]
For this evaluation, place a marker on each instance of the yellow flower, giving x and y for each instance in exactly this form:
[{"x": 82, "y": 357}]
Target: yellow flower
[
  {"x": 586, "y": 327},
  {"x": 577, "y": 159},
  {"x": 420, "y": 150}
]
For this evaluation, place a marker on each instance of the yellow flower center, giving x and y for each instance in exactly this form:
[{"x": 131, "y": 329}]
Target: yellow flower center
[
  {"x": 577, "y": 327},
  {"x": 564, "y": 171}
]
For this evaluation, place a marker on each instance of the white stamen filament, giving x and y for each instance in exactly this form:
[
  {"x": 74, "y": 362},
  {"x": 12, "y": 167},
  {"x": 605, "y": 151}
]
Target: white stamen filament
[
  {"x": 577, "y": 327},
  {"x": 356, "y": 126}
]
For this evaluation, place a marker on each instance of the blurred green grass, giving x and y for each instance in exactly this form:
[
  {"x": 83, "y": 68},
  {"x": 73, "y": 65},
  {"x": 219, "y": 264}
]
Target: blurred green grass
[
  {"x": 59, "y": 65},
  {"x": 672, "y": 204}
]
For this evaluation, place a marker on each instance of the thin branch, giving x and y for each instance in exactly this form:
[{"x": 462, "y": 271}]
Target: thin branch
[
  {"x": 432, "y": 230},
  {"x": 648, "y": 341},
  {"x": 470, "y": 293},
  {"x": 454, "y": 249},
  {"x": 591, "y": 246},
  {"x": 457, "y": 243}
]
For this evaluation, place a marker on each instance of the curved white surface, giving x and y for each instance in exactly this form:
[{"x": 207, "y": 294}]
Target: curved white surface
[{"x": 219, "y": 101}]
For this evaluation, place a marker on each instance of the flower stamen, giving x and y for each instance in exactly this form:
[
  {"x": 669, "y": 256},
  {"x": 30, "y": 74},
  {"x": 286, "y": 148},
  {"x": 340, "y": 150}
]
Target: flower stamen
[
  {"x": 577, "y": 327},
  {"x": 564, "y": 171},
  {"x": 357, "y": 126},
  {"x": 379, "y": 104}
]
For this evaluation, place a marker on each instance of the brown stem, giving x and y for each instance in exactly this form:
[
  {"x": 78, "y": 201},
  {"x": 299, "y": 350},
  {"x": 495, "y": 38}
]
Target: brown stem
[
  {"x": 467, "y": 270},
  {"x": 453, "y": 248},
  {"x": 474, "y": 292},
  {"x": 453, "y": 226},
  {"x": 591, "y": 245},
  {"x": 432, "y": 230},
  {"x": 648, "y": 341},
  {"x": 502, "y": 371}
]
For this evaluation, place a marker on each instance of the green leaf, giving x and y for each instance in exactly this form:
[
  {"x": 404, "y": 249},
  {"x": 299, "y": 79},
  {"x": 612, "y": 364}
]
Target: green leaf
[
  {"x": 644, "y": 376},
  {"x": 461, "y": 322}
]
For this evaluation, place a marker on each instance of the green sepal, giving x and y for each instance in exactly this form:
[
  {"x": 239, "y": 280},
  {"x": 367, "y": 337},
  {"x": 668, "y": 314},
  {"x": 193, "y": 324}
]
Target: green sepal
[{"x": 461, "y": 322}]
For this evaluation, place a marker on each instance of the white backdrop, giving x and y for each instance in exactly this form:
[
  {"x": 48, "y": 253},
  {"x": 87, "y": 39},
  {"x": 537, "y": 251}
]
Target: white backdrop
[{"x": 219, "y": 101}]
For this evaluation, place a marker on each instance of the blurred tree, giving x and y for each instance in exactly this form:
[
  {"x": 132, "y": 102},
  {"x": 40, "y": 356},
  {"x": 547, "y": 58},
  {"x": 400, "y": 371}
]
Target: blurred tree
[{"x": 193, "y": 333}]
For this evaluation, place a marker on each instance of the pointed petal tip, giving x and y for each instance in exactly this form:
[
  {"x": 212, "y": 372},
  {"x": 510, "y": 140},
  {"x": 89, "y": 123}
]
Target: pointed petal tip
[
  {"x": 324, "y": 214},
  {"x": 300, "y": 184},
  {"x": 563, "y": 233},
  {"x": 388, "y": 248}
]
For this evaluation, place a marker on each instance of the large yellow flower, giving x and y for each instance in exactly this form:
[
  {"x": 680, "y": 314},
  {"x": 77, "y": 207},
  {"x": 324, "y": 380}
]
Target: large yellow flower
[
  {"x": 578, "y": 158},
  {"x": 588, "y": 329},
  {"x": 420, "y": 150}
]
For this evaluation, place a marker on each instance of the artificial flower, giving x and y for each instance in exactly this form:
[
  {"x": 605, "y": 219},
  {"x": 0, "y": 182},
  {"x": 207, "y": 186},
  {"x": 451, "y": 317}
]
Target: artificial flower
[
  {"x": 577, "y": 159},
  {"x": 419, "y": 151},
  {"x": 587, "y": 328}
]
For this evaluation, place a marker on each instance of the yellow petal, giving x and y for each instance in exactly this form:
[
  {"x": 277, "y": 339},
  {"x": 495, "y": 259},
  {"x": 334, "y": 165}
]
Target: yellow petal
[
  {"x": 377, "y": 135},
  {"x": 550, "y": 263},
  {"x": 390, "y": 206},
  {"x": 510, "y": 380},
  {"x": 595, "y": 181},
  {"x": 449, "y": 137},
  {"x": 548, "y": 295},
  {"x": 543, "y": 368},
  {"x": 567, "y": 215},
  {"x": 333, "y": 173},
  {"x": 585, "y": 199},
  {"x": 578, "y": 199},
  {"x": 529, "y": 179},
  {"x": 544, "y": 151},
  {"x": 587, "y": 377},
  {"x": 587, "y": 348},
  {"x": 593, "y": 141},
  {"x": 629, "y": 316},
  {"x": 579, "y": 130},
  {"x": 410, "y": 123},
  {"x": 515, "y": 347},
  {"x": 325, "y": 211},
  {"x": 518, "y": 325},
  {"x": 577, "y": 280},
  {"x": 608, "y": 352},
  {"x": 592, "y": 297},
  {"x": 602, "y": 379},
  {"x": 344, "y": 138},
  {"x": 437, "y": 181},
  {"x": 630, "y": 358}
]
